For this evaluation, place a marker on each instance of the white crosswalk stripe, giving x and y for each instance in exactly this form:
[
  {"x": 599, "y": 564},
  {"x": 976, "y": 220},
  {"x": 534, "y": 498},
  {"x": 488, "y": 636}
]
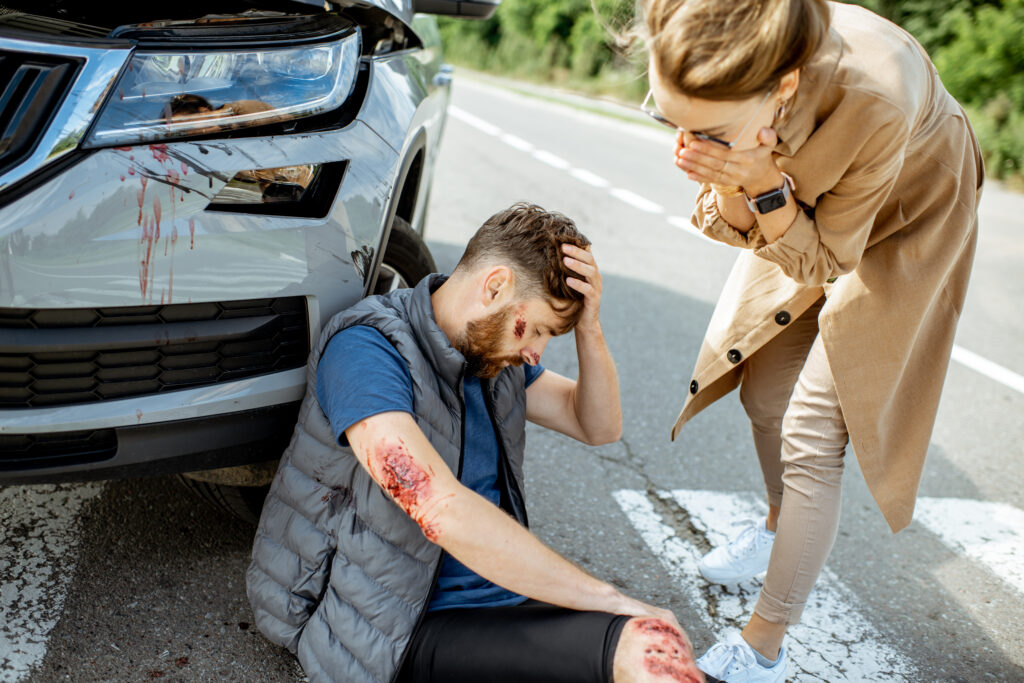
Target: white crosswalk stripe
[
  {"x": 833, "y": 642},
  {"x": 989, "y": 533},
  {"x": 38, "y": 553}
]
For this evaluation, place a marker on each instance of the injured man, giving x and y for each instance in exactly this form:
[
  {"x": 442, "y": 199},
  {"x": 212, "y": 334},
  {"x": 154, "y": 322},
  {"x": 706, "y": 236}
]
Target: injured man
[{"x": 393, "y": 545}]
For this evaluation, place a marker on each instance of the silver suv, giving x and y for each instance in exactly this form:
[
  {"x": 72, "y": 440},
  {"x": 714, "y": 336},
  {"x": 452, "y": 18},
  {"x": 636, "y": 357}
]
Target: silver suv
[{"x": 188, "y": 191}]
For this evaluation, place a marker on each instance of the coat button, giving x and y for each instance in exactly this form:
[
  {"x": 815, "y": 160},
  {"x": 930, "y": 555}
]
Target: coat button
[
  {"x": 734, "y": 355},
  {"x": 782, "y": 317},
  {"x": 693, "y": 387}
]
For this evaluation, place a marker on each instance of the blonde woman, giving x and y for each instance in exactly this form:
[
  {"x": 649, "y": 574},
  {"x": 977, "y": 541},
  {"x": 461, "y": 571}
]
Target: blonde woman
[{"x": 828, "y": 151}]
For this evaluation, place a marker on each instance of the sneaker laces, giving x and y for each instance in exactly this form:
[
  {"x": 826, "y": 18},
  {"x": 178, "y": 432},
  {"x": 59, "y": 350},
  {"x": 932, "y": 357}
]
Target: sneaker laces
[
  {"x": 723, "y": 657},
  {"x": 746, "y": 541}
]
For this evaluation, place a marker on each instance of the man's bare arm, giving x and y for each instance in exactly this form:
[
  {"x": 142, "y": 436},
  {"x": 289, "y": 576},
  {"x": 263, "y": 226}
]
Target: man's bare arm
[
  {"x": 473, "y": 530},
  {"x": 587, "y": 409}
]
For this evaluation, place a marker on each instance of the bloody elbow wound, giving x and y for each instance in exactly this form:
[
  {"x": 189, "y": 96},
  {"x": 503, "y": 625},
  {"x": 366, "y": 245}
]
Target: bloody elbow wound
[
  {"x": 405, "y": 480},
  {"x": 666, "y": 653}
]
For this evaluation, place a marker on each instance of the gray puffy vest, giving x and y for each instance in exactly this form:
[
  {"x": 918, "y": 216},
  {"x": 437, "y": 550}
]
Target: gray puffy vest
[{"x": 340, "y": 575}]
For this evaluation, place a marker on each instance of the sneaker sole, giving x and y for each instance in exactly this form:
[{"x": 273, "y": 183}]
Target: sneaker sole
[{"x": 727, "y": 580}]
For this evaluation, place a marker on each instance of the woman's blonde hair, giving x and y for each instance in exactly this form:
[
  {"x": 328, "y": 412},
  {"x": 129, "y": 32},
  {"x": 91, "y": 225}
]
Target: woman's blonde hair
[{"x": 731, "y": 49}]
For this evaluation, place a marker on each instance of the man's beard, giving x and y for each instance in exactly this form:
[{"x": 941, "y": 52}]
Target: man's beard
[{"x": 479, "y": 341}]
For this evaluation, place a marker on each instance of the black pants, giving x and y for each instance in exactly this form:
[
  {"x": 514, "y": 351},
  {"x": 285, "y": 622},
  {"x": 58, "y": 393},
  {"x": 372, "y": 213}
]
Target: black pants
[{"x": 533, "y": 641}]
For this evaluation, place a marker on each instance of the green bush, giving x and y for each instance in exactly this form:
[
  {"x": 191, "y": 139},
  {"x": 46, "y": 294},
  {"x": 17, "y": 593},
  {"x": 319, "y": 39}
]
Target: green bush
[
  {"x": 982, "y": 65},
  {"x": 563, "y": 40},
  {"x": 985, "y": 56},
  {"x": 1000, "y": 131}
]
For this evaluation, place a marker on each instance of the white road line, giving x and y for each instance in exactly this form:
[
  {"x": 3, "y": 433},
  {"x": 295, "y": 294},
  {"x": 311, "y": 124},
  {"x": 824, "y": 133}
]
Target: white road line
[
  {"x": 589, "y": 178},
  {"x": 832, "y": 643},
  {"x": 988, "y": 368},
  {"x": 636, "y": 200},
  {"x": 516, "y": 142},
  {"x": 686, "y": 226},
  {"x": 544, "y": 156},
  {"x": 38, "y": 552},
  {"x": 475, "y": 121},
  {"x": 640, "y": 128},
  {"x": 989, "y": 533},
  {"x": 551, "y": 159}
]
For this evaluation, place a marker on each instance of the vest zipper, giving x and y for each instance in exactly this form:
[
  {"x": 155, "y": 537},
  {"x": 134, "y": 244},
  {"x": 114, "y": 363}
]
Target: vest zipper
[{"x": 440, "y": 560}]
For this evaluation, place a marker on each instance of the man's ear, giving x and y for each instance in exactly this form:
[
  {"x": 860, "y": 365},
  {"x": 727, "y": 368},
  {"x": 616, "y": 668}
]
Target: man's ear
[{"x": 497, "y": 286}]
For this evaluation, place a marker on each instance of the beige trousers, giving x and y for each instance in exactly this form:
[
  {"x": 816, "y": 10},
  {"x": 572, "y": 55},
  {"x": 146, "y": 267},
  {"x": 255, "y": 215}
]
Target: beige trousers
[{"x": 800, "y": 437}]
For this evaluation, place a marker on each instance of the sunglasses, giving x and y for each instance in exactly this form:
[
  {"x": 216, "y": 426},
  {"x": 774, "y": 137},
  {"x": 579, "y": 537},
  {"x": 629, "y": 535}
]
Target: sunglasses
[{"x": 657, "y": 116}]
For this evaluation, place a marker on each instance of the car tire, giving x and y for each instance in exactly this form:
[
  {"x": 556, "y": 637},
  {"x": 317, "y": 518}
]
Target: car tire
[
  {"x": 243, "y": 502},
  {"x": 406, "y": 261}
]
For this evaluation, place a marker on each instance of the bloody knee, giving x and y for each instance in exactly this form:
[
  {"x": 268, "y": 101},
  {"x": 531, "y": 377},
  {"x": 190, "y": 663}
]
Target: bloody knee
[{"x": 665, "y": 652}]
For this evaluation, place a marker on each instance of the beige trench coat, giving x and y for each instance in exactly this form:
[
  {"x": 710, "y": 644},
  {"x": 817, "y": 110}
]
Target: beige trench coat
[{"x": 889, "y": 172}]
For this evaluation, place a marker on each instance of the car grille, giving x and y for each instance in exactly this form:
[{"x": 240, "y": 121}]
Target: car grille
[
  {"x": 71, "y": 356},
  {"x": 31, "y": 89},
  {"x": 18, "y": 451}
]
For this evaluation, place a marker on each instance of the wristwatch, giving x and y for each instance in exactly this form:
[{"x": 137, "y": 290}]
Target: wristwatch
[{"x": 773, "y": 199}]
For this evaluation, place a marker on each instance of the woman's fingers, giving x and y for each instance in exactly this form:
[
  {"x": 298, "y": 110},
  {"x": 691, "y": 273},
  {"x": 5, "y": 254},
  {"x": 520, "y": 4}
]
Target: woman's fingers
[
  {"x": 699, "y": 161},
  {"x": 709, "y": 171},
  {"x": 710, "y": 163},
  {"x": 703, "y": 158}
]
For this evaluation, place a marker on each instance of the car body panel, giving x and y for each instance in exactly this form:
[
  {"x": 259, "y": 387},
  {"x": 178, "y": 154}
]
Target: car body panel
[{"x": 130, "y": 226}]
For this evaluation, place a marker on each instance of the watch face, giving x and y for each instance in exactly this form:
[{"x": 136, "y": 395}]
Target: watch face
[{"x": 770, "y": 201}]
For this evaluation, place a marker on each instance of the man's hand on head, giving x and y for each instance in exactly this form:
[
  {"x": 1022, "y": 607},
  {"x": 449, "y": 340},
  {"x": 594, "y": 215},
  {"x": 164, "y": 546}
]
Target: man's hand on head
[
  {"x": 587, "y": 409},
  {"x": 582, "y": 261}
]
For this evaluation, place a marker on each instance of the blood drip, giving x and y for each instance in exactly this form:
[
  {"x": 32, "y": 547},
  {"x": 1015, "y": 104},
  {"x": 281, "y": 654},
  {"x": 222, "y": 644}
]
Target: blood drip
[{"x": 159, "y": 152}]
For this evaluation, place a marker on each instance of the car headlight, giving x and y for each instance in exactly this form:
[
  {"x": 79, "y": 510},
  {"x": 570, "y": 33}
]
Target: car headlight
[{"x": 175, "y": 94}]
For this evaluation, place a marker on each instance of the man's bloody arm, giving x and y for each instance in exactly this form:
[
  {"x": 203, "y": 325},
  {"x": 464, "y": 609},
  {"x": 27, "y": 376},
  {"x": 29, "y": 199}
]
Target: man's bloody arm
[{"x": 398, "y": 456}]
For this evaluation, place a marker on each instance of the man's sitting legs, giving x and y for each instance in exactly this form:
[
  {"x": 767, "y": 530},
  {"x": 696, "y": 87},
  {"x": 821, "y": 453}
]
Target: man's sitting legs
[{"x": 536, "y": 641}]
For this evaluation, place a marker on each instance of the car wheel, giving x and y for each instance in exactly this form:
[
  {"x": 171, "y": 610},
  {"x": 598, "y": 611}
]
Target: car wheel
[{"x": 406, "y": 261}]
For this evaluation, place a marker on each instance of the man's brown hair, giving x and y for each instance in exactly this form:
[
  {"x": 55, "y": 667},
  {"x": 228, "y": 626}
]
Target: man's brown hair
[{"x": 529, "y": 239}]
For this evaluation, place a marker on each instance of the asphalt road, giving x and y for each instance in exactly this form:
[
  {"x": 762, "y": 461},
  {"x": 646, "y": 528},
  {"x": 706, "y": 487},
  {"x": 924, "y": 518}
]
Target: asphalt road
[{"x": 142, "y": 581}]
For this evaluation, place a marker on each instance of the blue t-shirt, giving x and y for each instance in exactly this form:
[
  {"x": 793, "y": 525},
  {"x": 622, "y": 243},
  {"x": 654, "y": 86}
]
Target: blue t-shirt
[{"x": 361, "y": 375}]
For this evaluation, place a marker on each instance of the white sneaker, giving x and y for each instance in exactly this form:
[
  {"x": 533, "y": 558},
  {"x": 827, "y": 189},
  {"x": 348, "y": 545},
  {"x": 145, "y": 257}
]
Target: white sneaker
[
  {"x": 733, "y": 661},
  {"x": 742, "y": 558}
]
